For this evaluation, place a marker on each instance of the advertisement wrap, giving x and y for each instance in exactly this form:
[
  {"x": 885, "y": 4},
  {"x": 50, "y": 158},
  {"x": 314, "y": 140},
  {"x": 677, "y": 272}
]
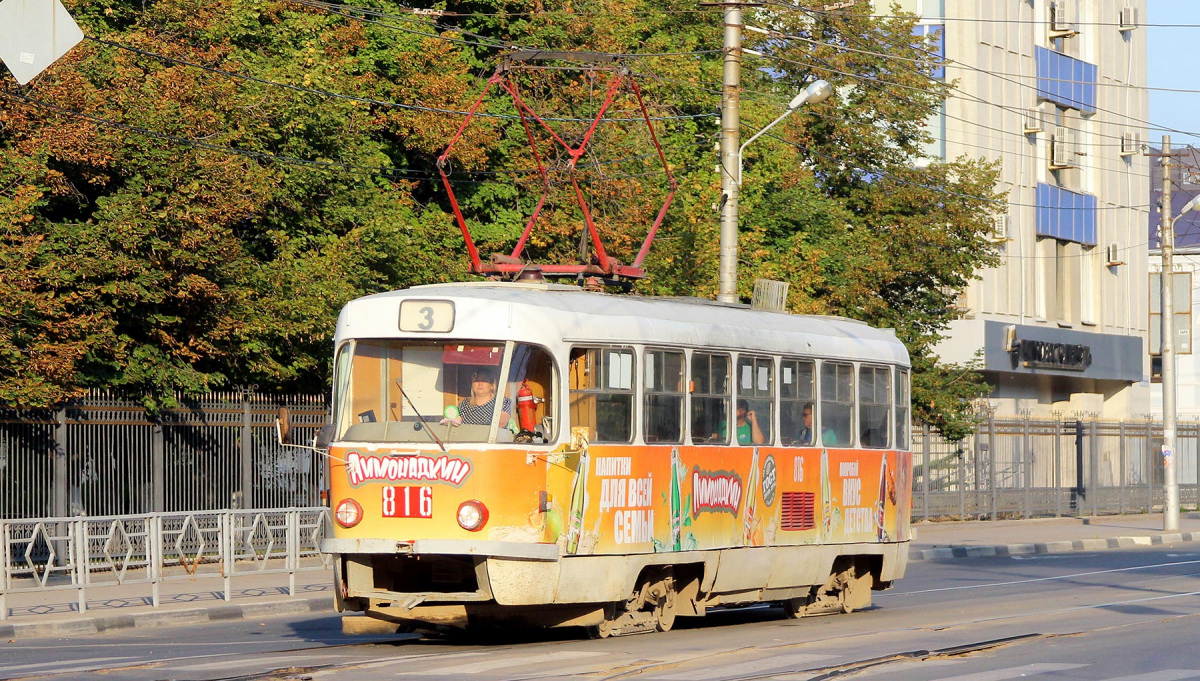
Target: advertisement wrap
[{"x": 616, "y": 499}]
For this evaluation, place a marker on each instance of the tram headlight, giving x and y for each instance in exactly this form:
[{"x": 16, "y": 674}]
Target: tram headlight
[
  {"x": 472, "y": 515},
  {"x": 349, "y": 513}
]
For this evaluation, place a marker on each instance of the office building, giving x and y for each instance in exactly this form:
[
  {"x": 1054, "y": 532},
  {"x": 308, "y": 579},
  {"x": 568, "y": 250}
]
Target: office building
[{"x": 1053, "y": 90}]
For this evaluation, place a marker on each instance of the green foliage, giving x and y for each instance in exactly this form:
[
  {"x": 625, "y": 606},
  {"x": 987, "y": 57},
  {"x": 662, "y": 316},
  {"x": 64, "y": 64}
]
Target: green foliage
[{"x": 142, "y": 262}]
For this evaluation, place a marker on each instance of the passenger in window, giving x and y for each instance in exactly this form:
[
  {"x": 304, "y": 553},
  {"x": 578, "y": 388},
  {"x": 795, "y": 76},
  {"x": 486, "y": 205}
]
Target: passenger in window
[
  {"x": 477, "y": 409},
  {"x": 806, "y": 431},
  {"x": 748, "y": 431}
]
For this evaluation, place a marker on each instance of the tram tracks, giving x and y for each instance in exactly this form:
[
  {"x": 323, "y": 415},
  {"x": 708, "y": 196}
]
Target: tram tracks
[{"x": 954, "y": 628}]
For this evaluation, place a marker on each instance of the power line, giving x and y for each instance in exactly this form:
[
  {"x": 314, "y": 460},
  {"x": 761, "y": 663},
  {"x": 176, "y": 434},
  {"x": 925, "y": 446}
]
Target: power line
[
  {"x": 957, "y": 93},
  {"x": 1150, "y": 125},
  {"x": 482, "y": 41},
  {"x": 365, "y": 100},
  {"x": 1022, "y": 137},
  {"x": 886, "y": 174},
  {"x": 388, "y": 172},
  {"x": 1035, "y": 22}
]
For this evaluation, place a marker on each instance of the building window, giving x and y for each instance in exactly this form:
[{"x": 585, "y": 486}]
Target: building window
[
  {"x": 1089, "y": 269},
  {"x": 1043, "y": 265}
]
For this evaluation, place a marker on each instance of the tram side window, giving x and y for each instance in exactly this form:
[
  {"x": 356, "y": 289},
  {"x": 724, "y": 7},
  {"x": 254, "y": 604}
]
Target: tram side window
[
  {"x": 664, "y": 396},
  {"x": 797, "y": 397},
  {"x": 874, "y": 406},
  {"x": 756, "y": 388},
  {"x": 903, "y": 439},
  {"x": 601, "y": 385},
  {"x": 710, "y": 398},
  {"x": 837, "y": 403},
  {"x": 533, "y": 368}
]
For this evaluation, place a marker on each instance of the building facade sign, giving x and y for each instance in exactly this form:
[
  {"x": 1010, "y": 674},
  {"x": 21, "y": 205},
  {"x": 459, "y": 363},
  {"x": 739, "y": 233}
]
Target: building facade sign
[
  {"x": 1047, "y": 355},
  {"x": 1027, "y": 349}
]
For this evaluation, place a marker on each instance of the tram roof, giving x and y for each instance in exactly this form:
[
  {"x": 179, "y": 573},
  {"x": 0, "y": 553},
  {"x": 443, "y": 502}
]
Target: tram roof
[{"x": 548, "y": 313}]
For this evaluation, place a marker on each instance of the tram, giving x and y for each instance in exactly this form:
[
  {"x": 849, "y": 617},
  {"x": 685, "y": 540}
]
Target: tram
[{"x": 546, "y": 455}]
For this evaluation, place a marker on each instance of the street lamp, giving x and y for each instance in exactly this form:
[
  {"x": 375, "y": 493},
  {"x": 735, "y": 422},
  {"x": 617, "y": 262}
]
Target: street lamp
[
  {"x": 815, "y": 93},
  {"x": 818, "y": 91}
]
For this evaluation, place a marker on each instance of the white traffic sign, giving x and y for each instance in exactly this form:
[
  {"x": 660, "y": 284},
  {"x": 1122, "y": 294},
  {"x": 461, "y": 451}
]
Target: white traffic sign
[{"x": 34, "y": 34}]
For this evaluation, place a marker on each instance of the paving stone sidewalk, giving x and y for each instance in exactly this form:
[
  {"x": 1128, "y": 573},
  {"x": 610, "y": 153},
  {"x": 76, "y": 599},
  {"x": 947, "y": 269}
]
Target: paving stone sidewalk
[{"x": 972, "y": 539}]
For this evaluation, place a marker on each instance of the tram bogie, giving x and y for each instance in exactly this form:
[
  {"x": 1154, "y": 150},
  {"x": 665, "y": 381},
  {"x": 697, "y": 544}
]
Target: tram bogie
[{"x": 548, "y": 456}]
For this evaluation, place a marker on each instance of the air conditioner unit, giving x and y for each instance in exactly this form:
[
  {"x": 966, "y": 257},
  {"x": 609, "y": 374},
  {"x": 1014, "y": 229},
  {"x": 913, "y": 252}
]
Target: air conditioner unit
[
  {"x": 1129, "y": 19},
  {"x": 1112, "y": 255},
  {"x": 1062, "y": 18},
  {"x": 1063, "y": 150},
  {"x": 1131, "y": 143},
  {"x": 1034, "y": 121},
  {"x": 1001, "y": 228}
]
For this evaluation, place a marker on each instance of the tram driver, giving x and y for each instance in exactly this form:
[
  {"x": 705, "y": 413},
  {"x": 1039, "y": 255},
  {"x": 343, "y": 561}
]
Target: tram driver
[{"x": 478, "y": 408}]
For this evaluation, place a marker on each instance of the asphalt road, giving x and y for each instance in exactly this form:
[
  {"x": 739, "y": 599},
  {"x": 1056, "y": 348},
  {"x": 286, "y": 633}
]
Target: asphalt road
[{"x": 1109, "y": 616}]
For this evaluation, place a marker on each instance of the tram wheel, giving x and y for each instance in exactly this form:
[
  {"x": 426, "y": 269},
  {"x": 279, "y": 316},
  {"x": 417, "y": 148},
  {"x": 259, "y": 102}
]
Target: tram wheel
[
  {"x": 857, "y": 593},
  {"x": 793, "y": 608},
  {"x": 602, "y": 630},
  {"x": 664, "y": 612}
]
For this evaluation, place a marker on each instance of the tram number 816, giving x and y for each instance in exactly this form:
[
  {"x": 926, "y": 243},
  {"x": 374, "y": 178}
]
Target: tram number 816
[{"x": 402, "y": 501}]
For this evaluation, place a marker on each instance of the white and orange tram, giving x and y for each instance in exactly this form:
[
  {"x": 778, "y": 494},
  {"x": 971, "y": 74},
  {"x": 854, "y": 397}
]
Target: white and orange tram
[{"x": 542, "y": 454}]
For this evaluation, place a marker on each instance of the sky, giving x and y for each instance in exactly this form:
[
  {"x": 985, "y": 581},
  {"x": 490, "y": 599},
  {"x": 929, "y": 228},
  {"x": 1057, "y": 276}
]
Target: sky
[{"x": 1171, "y": 63}]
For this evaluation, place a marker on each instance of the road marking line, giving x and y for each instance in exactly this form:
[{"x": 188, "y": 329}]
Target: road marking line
[
  {"x": 89, "y": 663},
  {"x": 1013, "y": 672},
  {"x": 734, "y": 668},
  {"x": 1038, "y": 579},
  {"x": 490, "y": 665},
  {"x": 1164, "y": 675}
]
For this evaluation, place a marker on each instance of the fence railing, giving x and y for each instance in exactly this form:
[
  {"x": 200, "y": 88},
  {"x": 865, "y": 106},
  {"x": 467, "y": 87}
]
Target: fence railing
[
  {"x": 1024, "y": 468},
  {"x": 103, "y": 456},
  {"x": 78, "y": 554}
]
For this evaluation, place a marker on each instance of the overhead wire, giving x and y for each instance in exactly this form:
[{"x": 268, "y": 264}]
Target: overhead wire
[
  {"x": 1150, "y": 125},
  {"x": 362, "y": 100},
  {"x": 956, "y": 93},
  {"x": 753, "y": 94},
  {"x": 388, "y": 172},
  {"x": 480, "y": 40}
]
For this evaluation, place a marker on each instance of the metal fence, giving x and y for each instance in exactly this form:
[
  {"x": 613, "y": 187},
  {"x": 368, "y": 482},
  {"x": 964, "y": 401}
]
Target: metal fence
[
  {"x": 104, "y": 456},
  {"x": 78, "y": 554},
  {"x": 1023, "y": 468}
]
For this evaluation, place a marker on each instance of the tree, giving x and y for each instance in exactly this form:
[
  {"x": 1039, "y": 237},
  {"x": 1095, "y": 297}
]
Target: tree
[{"x": 204, "y": 184}]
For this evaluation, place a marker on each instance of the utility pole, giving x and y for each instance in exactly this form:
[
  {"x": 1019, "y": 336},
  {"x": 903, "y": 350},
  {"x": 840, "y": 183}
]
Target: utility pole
[
  {"x": 1166, "y": 237},
  {"x": 730, "y": 142}
]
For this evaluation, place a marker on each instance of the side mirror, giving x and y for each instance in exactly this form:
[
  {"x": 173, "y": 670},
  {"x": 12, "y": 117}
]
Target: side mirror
[{"x": 324, "y": 436}]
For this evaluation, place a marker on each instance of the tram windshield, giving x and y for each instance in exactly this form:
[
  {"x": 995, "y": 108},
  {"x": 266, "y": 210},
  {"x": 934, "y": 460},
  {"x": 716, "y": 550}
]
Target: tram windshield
[{"x": 418, "y": 392}]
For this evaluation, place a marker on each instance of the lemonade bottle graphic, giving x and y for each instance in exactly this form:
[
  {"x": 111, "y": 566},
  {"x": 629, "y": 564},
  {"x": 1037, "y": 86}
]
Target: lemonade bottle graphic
[
  {"x": 751, "y": 495},
  {"x": 578, "y": 503},
  {"x": 826, "y": 499},
  {"x": 676, "y": 502},
  {"x": 881, "y": 505}
]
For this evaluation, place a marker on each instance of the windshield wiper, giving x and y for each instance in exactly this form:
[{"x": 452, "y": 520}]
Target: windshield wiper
[{"x": 421, "y": 421}]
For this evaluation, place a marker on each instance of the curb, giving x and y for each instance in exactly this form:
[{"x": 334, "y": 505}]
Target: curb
[
  {"x": 973, "y": 551},
  {"x": 87, "y": 625}
]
